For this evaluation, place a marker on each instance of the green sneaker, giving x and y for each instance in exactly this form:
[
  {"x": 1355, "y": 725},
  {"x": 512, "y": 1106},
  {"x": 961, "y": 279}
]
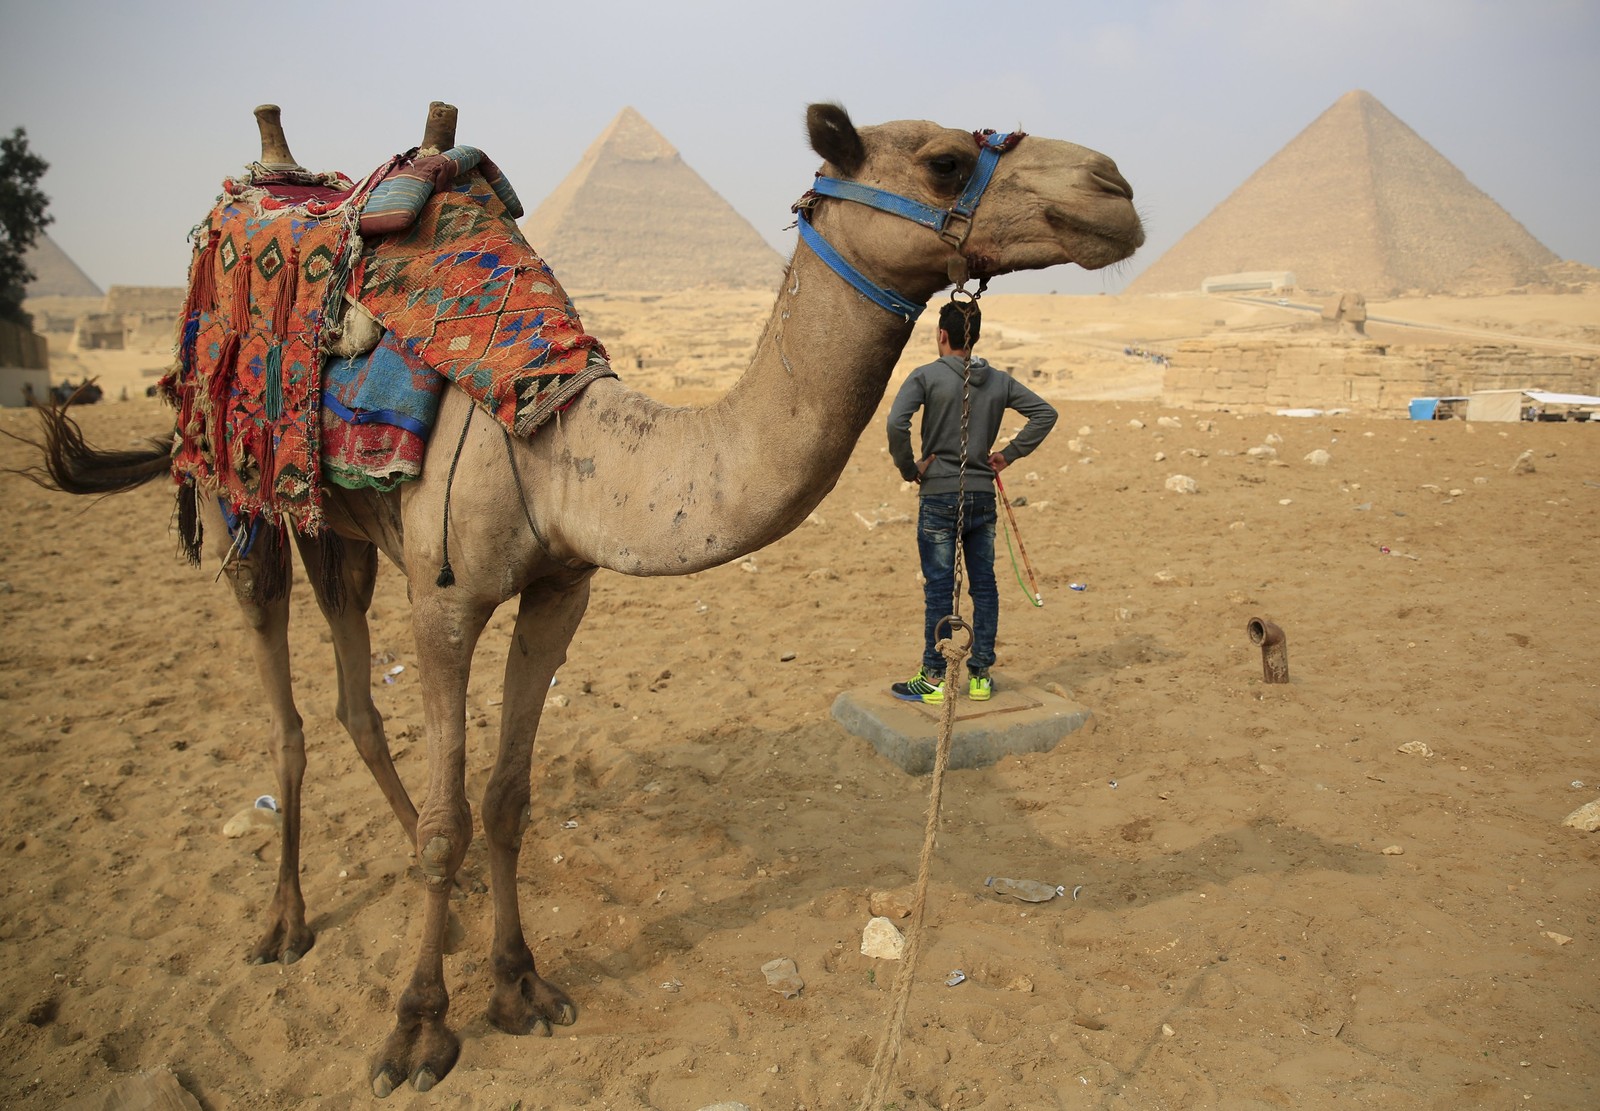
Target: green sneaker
[
  {"x": 921, "y": 687},
  {"x": 980, "y": 688}
]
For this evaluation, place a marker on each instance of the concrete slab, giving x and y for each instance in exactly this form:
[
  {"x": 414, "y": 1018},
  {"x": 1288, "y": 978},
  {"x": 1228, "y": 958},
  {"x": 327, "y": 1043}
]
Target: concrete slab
[{"x": 1019, "y": 718}]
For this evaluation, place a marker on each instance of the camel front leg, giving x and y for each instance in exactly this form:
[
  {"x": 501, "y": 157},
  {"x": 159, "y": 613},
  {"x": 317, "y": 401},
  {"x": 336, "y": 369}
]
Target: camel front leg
[
  {"x": 546, "y": 621},
  {"x": 447, "y": 623},
  {"x": 260, "y": 583}
]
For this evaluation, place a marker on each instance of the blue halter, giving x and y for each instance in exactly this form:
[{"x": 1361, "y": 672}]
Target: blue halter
[{"x": 953, "y": 224}]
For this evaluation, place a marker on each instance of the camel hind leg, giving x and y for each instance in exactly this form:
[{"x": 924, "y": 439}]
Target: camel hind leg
[
  {"x": 343, "y": 572},
  {"x": 547, "y": 618},
  {"x": 260, "y": 581}
]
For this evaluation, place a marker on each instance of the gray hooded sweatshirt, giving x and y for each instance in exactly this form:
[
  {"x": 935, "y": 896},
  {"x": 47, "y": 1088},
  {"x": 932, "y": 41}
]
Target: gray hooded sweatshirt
[{"x": 936, "y": 389}]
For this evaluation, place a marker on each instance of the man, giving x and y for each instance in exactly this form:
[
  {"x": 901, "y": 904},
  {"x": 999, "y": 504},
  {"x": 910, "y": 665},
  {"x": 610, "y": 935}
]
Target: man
[{"x": 936, "y": 388}]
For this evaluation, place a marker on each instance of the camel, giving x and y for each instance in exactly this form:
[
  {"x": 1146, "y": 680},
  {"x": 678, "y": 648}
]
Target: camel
[{"x": 622, "y": 482}]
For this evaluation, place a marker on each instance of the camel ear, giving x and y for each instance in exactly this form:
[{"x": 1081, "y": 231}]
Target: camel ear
[{"x": 834, "y": 137}]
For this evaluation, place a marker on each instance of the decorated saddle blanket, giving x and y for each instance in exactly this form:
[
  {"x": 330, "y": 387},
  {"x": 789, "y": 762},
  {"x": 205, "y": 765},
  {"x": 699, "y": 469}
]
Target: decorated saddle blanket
[{"x": 463, "y": 298}]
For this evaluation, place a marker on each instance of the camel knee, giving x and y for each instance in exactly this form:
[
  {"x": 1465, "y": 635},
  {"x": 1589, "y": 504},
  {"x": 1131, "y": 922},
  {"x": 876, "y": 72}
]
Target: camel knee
[{"x": 441, "y": 851}]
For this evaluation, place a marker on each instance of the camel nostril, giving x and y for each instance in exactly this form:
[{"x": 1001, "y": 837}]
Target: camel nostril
[{"x": 1110, "y": 181}]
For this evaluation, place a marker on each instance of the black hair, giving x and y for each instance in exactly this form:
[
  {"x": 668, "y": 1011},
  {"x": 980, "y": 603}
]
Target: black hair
[{"x": 961, "y": 322}]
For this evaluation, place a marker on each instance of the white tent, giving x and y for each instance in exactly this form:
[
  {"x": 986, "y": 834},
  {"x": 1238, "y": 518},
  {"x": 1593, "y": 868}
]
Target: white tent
[{"x": 1507, "y": 405}]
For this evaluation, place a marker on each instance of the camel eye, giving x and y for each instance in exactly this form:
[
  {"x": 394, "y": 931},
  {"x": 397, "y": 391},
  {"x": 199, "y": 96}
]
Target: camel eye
[{"x": 945, "y": 165}]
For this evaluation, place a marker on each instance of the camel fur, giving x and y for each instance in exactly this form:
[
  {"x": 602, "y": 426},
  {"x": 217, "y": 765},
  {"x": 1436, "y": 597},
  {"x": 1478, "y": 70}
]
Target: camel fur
[{"x": 622, "y": 482}]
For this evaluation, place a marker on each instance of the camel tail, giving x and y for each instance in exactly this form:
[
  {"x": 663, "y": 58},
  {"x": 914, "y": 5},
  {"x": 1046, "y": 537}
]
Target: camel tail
[{"x": 70, "y": 464}]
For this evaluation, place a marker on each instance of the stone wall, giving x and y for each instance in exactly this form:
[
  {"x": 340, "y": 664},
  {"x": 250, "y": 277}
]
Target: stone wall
[{"x": 1246, "y": 375}]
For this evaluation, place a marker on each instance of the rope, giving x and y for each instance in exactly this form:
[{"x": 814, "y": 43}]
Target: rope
[
  {"x": 447, "y": 575},
  {"x": 1031, "y": 587},
  {"x": 955, "y": 655},
  {"x": 883, "y": 1064}
]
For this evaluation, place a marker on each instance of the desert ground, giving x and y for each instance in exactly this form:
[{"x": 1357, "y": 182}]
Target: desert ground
[{"x": 1354, "y": 889}]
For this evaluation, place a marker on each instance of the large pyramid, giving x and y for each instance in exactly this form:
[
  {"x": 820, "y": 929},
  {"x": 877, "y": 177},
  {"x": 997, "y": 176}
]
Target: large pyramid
[
  {"x": 54, "y": 274},
  {"x": 634, "y": 216},
  {"x": 1356, "y": 201}
]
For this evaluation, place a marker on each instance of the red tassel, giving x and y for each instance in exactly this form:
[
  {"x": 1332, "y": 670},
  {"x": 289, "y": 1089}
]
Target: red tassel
[
  {"x": 203, "y": 278},
  {"x": 286, "y": 295},
  {"x": 266, "y": 455},
  {"x": 220, "y": 392},
  {"x": 241, "y": 294}
]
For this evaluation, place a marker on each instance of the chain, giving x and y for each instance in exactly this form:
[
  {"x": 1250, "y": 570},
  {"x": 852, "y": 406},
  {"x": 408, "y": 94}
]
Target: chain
[{"x": 967, "y": 307}]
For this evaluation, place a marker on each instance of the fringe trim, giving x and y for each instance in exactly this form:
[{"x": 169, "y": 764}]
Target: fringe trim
[{"x": 190, "y": 529}]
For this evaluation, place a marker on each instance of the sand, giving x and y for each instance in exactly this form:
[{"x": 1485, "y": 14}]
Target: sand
[{"x": 1279, "y": 905}]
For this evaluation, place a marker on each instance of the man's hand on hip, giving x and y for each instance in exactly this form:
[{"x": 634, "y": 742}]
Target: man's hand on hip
[{"x": 998, "y": 462}]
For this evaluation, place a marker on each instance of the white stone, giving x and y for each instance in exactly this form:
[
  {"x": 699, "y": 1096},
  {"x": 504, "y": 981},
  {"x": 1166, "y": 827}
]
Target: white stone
[
  {"x": 1274, "y": 438},
  {"x": 1586, "y": 817},
  {"x": 1160, "y": 457},
  {"x": 1136, "y": 424},
  {"x": 1085, "y": 430},
  {"x": 1415, "y": 748},
  {"x": 252, "y": 819},
  {"x": 1524, "y": 463},
  {"x": 1182, "y": 484},
  {"x": 1319, "y": 458},
  {"x": 783, "y": 977},
  {"x": 881, "y": 939},
  {"x": 1263, "y": 452},
  {"x": 1169, "y": 422}
]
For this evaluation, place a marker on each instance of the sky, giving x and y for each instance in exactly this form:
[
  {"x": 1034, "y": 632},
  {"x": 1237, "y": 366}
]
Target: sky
[{"x": 142, "y": 108}]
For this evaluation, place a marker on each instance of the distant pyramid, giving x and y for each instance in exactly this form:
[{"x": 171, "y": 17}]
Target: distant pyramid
[
  {"x": 1356, "y": 201},
  {"x": 633, "y": 215},
  {"x": 54, "y": 274}
]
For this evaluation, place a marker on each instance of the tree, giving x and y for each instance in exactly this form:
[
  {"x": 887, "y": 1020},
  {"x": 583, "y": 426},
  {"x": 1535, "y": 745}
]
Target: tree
[{"x": 23, "y": 215}]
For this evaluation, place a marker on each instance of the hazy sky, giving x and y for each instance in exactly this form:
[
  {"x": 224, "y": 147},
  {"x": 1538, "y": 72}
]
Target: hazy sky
[{"x": 142, "y": 108}]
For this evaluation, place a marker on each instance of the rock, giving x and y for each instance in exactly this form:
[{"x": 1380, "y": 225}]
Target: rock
[
  {"x": 1160, "y": 457},
  {"x": 1263, "y": 452},
  {"x": 1415, "y": 748},
  {"x": 1393, "y": 850},
  {"x": 558, "y": 701},
  {"x": 1182, "y": 484},
  {"x": 1020, "y": 983},
  {"x": 1205, "y": 425},
  {"x": 786, "y": 657},
  {"x": 1169, "y": 422},
  {"x": 1586, "y": 817},
  {"x": 1524, "y": 463},
  {"x": 881, "y": 939},
  {"x": 1319, "y": 458},
  {"x": 252, "y": 819},
  {"x": 783, "y": 977},
  {"x": 823, "y": 574},
  {"x": 1084, "y": 430},
  {"x": 749, "y": 565},
  {"x": 1167, "y": 1031},
  {"x": 891, "y": 904},
  {"x": 1028, "y": 891},
  {"x": 1274, "y": 438},
  {"x": 1136, "y": 424},
  {"x": 1559, "y": 939}
]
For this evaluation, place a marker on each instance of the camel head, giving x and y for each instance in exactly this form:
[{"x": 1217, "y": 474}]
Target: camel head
[{"x": 1047, "y": 202}]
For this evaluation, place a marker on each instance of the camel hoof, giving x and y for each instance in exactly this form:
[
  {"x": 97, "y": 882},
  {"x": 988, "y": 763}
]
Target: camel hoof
[
  {"x": 383, "y": 1083},
  {"x": 424, "y": 1079},
  {"x": 566, "y": 1014}
]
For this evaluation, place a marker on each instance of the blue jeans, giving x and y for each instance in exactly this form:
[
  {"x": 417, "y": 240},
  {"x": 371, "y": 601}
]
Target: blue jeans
[{"x": 936, "y": 544}]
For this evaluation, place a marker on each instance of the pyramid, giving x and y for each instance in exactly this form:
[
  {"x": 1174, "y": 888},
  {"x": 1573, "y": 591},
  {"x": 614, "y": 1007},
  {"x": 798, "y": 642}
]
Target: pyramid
[
  {"x": 634, "y": 216},
  {"x": 54, "y": 274},
  {"x": 1356, "y": 201}
]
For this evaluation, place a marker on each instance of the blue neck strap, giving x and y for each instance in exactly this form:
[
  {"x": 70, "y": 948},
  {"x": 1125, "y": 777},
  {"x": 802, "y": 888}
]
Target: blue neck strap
[
  {"x": 903, "y": 307},
  {"x": 991, "y": 146}
]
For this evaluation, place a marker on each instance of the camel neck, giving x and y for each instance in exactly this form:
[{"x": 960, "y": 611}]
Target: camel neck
[{"x": 689, "y": 488}]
